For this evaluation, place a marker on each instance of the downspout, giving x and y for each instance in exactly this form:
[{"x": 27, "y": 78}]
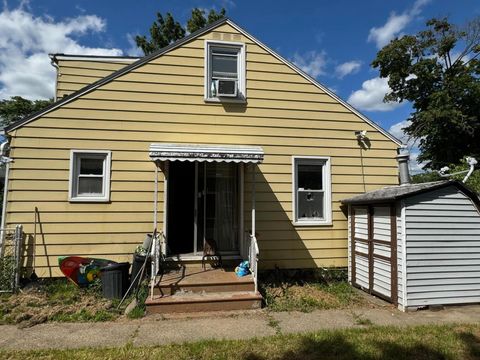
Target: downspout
[
  {"x": 53, "y": 61},
  {"x": 5, "y": 160}
]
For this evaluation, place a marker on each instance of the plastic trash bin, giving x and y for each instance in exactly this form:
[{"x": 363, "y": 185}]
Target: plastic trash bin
[
  {"x": 138, "y": 261},
  {"x": 114, "y": 280}
]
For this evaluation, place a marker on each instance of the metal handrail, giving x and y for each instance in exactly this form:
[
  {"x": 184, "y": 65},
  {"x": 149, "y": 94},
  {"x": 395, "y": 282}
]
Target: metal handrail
[
  {"x": 253, "y": 253},
  {"x": 157, "y": 257}
]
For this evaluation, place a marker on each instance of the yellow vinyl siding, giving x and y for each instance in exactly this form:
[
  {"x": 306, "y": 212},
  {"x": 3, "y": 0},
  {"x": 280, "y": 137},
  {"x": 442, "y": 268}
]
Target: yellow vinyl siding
[
  {"x": 163, "y": 101},
  {"x": 85, "y": 72}
]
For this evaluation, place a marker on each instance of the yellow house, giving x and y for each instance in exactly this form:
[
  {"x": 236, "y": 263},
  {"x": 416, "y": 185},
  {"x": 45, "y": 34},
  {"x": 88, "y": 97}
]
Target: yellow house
[{"x": 213, "y": 137}]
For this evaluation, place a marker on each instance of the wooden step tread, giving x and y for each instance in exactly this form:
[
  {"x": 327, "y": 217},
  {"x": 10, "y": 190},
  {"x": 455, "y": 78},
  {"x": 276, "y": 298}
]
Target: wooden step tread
[
  {"x": 191, "y": 298},
  {"x": 199, "y": 277}
]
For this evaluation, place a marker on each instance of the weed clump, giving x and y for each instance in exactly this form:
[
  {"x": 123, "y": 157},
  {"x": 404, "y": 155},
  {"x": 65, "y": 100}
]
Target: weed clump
[
  {"x": 300, "y": 290},
  {"x": 56, "y": 300}
]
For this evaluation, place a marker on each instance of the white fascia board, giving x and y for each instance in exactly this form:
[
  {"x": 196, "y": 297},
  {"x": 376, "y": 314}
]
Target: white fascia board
[{"x": 95, "y": 58}]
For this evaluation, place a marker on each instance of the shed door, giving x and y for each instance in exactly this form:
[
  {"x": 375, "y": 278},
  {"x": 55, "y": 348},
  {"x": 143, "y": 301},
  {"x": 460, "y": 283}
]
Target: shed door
[{"x": 374, "y": 250}]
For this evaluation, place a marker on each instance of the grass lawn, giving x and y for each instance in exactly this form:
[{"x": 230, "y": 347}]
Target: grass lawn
[{"x": 422, "y": 342}]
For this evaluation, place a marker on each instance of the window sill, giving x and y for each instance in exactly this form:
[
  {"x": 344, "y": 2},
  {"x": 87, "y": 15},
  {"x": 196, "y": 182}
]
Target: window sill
[
  {"x": 312, "y": 223},
  {"x": 225, "y": 100},
  {"x": 89, "y": 200}
]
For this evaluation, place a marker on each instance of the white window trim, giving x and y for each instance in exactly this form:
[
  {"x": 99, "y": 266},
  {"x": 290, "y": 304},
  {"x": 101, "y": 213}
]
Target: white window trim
[
  {"x": 242, "y": 72},
  {"x": 73, "y": 177},
  {"x": 327, "y": 182}
]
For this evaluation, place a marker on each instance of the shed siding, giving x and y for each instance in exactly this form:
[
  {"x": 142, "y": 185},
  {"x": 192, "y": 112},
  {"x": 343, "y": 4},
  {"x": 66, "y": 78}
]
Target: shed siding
[
  {"x": 349, "y": 243},
  {"x": 443, "y": 248},
  {"x": 361, "y": 262},
  {"x": 162, "y": 101},
  {"x": 382, "y": 281},
  {"x": 400, "y": 255}
]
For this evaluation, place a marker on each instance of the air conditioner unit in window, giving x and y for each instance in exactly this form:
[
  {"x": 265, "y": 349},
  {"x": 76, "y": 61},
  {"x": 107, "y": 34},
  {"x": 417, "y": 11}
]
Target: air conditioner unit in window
[{"x": 227, "y": 88}]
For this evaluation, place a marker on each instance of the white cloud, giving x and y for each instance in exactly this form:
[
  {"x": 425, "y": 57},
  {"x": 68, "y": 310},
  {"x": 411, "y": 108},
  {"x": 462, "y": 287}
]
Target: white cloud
[
  {"x": 382, "y": 35},
  {"x": 228, "y": 4},
  {"x": 133, "y": 50},
  {"x": 312, "y": 62},
  {"x": 414, "y": 166},
  {"x": 398, "y": 130},
  {"x": 26, "y": 40},
  {"x": 370, "y": 96},
  {"x": 347, "y": 68}
]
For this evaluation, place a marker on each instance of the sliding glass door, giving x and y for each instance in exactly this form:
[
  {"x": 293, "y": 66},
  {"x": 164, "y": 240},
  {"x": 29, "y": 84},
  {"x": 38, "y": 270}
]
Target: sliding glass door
[{"x": 216, "y": 203}]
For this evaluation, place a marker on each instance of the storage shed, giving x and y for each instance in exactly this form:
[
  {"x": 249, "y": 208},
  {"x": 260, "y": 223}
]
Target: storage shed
[{"x": 416, "y": 245}]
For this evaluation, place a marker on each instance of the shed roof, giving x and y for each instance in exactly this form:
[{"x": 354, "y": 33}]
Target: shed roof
[{"x": 393, "y": 193}]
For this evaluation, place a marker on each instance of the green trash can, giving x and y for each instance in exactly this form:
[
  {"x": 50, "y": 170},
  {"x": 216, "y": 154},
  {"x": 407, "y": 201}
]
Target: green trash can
[{"x": 114, "y": 279}]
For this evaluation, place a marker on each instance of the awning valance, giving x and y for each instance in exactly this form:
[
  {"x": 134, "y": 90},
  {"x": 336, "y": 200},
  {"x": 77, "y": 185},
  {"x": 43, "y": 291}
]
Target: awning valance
[{"x": 209, "y": 153}]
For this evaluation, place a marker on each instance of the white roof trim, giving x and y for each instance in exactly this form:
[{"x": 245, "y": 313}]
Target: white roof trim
[
  {"x": 315, "y": 82},
  {"x": 208, "y": 153},
  {"x": 96, "y": 58}
]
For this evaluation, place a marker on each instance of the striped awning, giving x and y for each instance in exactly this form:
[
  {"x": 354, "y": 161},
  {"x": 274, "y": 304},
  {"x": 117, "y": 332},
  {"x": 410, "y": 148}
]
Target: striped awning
[{"x": 209, "y": 153}]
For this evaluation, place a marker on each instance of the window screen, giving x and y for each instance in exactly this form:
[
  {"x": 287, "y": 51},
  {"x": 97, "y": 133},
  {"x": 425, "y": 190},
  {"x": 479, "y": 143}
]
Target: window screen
[{"x": 309, "y": 190}]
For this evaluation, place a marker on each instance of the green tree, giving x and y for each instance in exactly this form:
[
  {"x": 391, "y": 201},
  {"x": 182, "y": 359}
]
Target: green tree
[
  {"x": 166, "y": 30},
  {"x": 16, "y": 108},
  {"x": 198, "y": 20},
  {"x": 437, "y": 70}
]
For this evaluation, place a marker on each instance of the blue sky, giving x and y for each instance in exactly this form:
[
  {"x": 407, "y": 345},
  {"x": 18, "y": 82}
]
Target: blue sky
[{"x": 335, "y": 41}]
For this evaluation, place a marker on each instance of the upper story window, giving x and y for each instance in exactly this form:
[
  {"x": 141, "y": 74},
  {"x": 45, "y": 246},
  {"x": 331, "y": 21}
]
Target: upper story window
[
  {"x": 89, "y": 176},
  {"x": 224, "y": 71},
  {"x": 312, "y": 194}
]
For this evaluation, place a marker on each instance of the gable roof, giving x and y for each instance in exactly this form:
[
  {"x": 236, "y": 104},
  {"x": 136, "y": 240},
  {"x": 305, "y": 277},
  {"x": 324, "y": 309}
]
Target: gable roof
[
  {"x": 177, "y": 44},
  {"x": 393, "y": 193}
]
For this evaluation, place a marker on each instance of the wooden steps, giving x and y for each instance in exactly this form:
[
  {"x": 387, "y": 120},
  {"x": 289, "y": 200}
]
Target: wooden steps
[{"x": 192, "y": 289}]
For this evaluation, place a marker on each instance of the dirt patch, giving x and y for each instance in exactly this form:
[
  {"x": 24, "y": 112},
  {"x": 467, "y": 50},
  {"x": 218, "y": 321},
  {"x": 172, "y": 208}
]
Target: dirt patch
[{"x": 56, "y": 300}]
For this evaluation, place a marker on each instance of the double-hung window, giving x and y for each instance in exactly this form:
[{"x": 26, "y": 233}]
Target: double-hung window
[
  {"x": 89, "y": 176},
  {"x": 311, "y": 187},
  {"x": 224, "y": 71}
]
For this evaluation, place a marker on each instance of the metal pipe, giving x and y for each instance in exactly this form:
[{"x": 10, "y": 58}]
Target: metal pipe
[
  {"x": 4, "y": 209},
  {"x": 53, "y": 61},
  {"x": 253, "y": 198},
  {"x": 155, "y": 200},
  {"x": 164, "y": 240},
  {"x": 403, "y": 171},
  {"x": 470, "y": 161}
]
